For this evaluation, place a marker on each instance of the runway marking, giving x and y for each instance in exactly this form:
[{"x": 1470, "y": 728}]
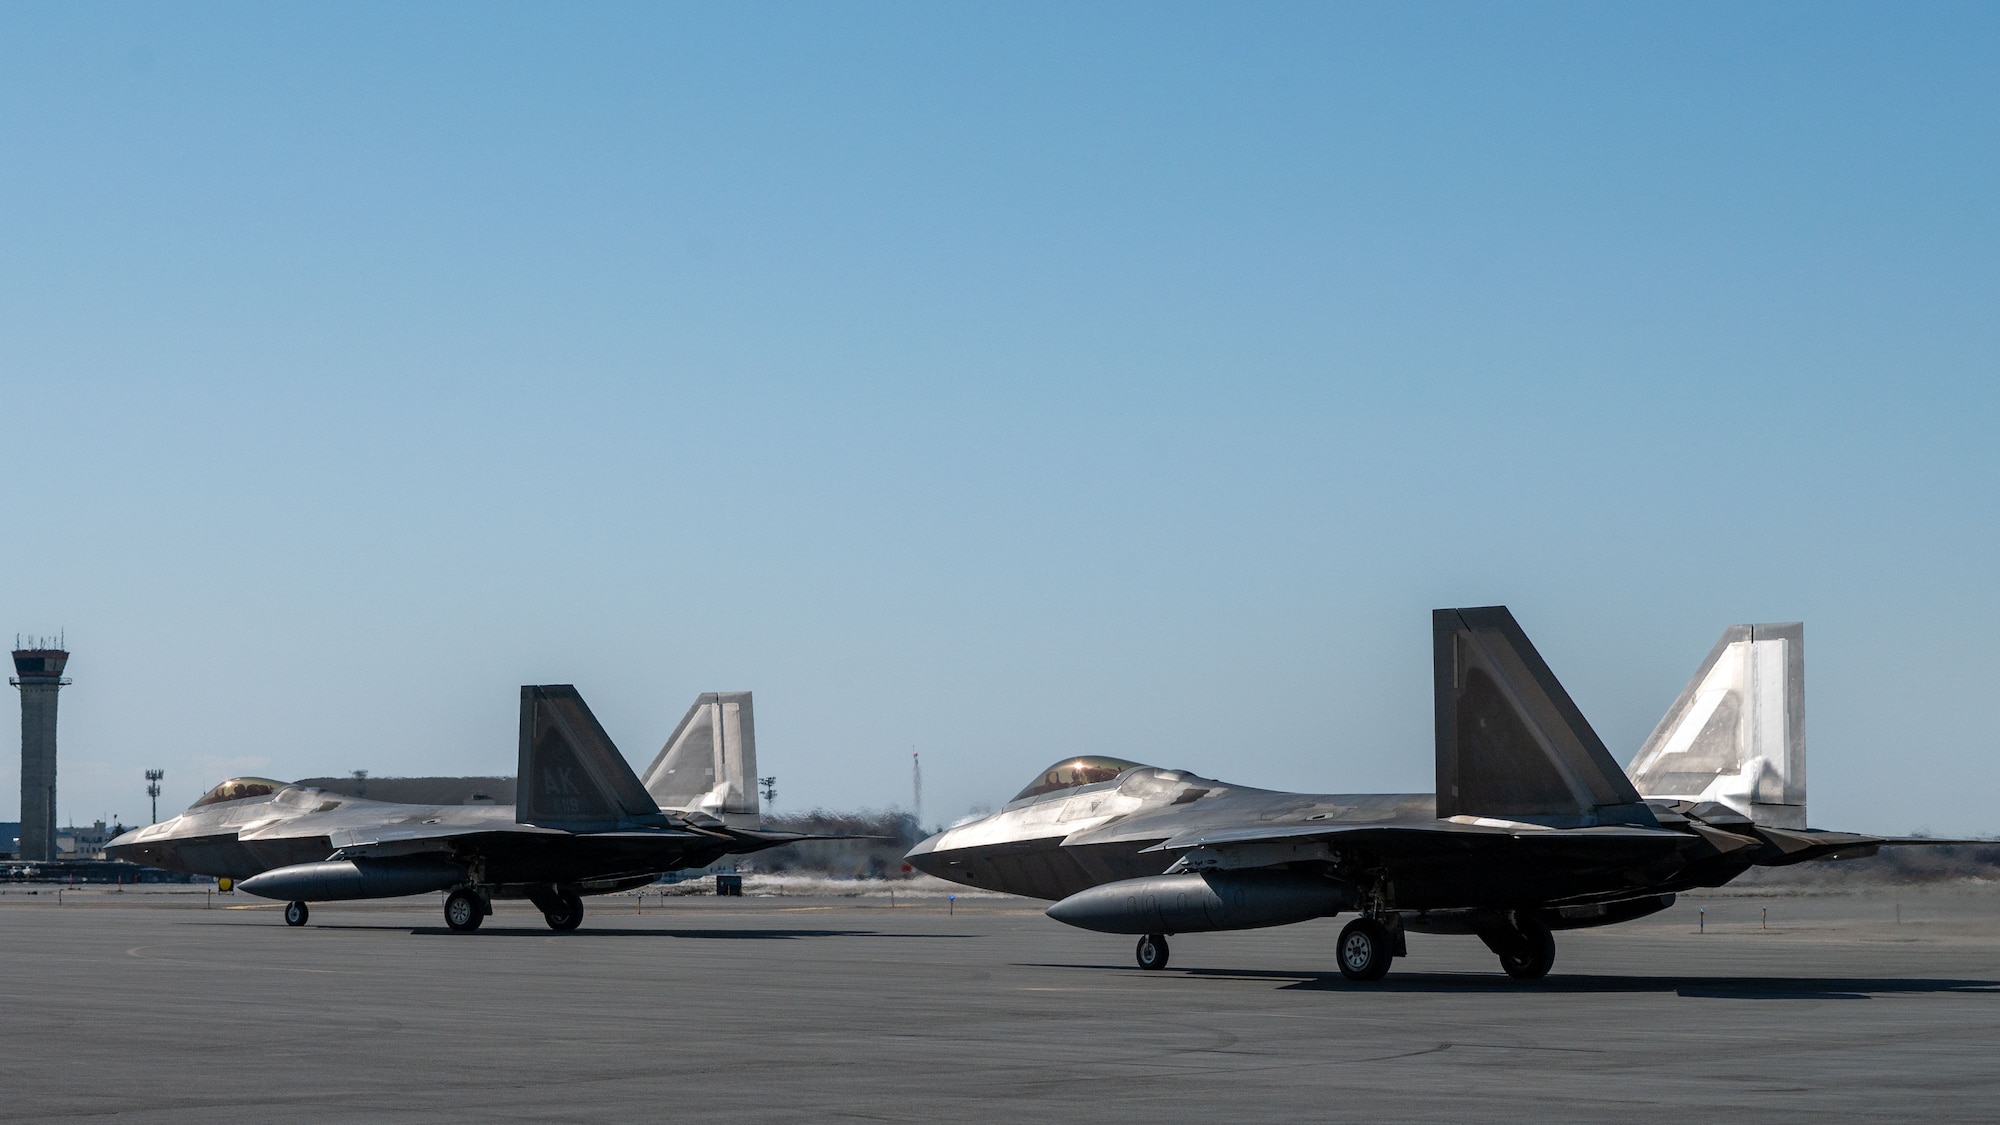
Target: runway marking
[
  {"x": 1528, "y": 1047},
  {"x": 138, "y": 952},
  {"x": 1223, "y": 1040},
  {"x": 1404, "y": 1055}
]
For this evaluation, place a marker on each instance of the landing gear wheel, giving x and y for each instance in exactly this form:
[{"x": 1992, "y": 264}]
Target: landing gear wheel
[
  {"x": 1365, "y": 950},
  {"x": 296, "y": 914},
  {"x": 1536, "y": 955},
  {"x": 565, "y": 913},
  {"x": 463, "y": 912},
  {"x": 1153, "y": 951}
]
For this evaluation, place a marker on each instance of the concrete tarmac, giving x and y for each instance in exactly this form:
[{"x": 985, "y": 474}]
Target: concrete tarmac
[{"x": 152, "y": 1007}]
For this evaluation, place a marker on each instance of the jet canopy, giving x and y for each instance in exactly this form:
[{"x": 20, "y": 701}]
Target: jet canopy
[
  {"x": 1073, "y": 772},
  {"x": 237, "y": 788}
]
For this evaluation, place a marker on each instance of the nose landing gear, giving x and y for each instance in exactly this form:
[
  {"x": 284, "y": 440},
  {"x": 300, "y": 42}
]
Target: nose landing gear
[
  {"x": 296, "y": 913},
  {"x": 1153, "y": 951}
]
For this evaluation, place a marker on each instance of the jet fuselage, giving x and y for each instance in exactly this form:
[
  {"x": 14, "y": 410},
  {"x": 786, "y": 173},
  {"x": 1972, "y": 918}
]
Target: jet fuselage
[
  {"x": 1053, "y": 845},
  {"x": 240, "y": 838}
]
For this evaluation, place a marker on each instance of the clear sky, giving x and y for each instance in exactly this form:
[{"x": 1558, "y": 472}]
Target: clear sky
[{"x": 1004, "y": 381}]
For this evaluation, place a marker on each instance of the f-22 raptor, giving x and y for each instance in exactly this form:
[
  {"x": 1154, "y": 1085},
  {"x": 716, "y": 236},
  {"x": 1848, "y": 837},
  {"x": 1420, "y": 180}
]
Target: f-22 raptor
[
  {"x": 585, "y": 823},
  {"x": 1533, "y": 827}
]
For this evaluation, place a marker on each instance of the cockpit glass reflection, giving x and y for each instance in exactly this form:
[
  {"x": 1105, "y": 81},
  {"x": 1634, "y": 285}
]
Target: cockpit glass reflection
[
  {"x": 1072, "y": 772},
  {"x": 237, "y": 788}
]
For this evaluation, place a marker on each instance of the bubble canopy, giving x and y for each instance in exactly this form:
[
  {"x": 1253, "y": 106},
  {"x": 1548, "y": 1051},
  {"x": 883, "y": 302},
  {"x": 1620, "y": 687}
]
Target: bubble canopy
[
  {"x": 1073, "y": 772},
  {"x": 237, "y": 788}
]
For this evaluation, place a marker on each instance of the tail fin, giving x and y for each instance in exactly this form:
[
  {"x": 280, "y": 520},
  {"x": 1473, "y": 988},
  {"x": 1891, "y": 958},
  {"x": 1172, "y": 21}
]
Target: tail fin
[
  {"x": 710, "y": 763},
  {"x": 571, "y": 775},
  {"x": 1510, "y": 743},
  {"x": 1737, "y": 734}
]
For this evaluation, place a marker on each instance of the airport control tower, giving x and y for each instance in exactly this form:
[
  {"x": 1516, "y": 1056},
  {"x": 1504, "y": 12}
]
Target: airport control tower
[{"x": 39, "y": 674}]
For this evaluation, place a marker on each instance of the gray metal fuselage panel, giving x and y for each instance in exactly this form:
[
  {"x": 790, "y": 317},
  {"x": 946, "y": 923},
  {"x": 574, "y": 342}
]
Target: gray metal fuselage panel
[
  {"x": 1053, "y": 846},
  {"x": 238, "y": 839}
]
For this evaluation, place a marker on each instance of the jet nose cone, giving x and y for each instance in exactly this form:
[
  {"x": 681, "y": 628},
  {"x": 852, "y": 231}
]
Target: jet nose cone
[
  {"x": 924, "y": 856},
  {"x": 263, "y": 886},
  {"x": 126, "y": 846}
]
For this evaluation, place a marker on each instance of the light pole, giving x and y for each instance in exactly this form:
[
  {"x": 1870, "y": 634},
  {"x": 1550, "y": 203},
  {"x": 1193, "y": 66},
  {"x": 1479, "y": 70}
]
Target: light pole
[{"x": 153, "y": 790}]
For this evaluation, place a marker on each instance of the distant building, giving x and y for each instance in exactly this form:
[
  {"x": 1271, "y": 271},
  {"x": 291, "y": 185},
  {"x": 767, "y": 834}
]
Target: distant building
[{"x": 85, "y": 843}]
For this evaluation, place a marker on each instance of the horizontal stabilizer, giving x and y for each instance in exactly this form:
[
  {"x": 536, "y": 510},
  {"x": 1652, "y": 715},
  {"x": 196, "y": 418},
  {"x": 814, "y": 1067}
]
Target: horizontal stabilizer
[
  {"x": 572, "y": 777},
  {"x": 709, "y": 765},
  {"x": 1510, "y": 742},
  {"x": 1737, "y": 734}
]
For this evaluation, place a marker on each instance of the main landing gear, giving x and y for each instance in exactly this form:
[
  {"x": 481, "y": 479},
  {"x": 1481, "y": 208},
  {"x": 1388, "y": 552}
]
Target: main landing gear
[
  {"x": 1527, "y": 949},
  {"x": 296, "y": 913},
  {"x": 1153, "y": 951},
  {"x": 561, "y": 907},
  {"x": 464, "y": 910},
  {"x": 1366, "y": 948},
  {"x": 564, "y": 911}
]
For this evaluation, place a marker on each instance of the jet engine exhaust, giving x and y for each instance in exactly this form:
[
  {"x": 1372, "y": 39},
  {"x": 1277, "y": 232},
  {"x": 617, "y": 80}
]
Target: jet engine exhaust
[
  {"x": 337, "y": 879},
  {"x": 1210, "y": 900}
]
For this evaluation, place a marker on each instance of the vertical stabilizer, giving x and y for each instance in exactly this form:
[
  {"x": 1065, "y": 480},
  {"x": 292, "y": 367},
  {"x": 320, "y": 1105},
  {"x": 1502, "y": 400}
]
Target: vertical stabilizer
[
  {"x": 1510, "y": 742},
  {"x": 709, "y": 765},
  {"x": 572, "y": 777},
  {"x": 1737, "y": 734}
]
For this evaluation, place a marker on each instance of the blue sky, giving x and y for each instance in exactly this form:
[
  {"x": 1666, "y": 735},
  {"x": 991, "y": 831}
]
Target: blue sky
[{"x": 1004, "y": 381}]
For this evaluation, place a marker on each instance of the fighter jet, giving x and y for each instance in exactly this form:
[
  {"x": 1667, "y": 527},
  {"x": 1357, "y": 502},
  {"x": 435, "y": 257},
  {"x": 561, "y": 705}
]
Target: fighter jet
[
  {"x": 1533, "y": 827},
  {"x": 585, "y": 823}
]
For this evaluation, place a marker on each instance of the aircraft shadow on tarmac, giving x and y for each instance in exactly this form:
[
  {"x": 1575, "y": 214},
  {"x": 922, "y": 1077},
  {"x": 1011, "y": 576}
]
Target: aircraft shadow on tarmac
[
  {"x": 1705, "y": 988},
  {"x": 733, "y": 935}
]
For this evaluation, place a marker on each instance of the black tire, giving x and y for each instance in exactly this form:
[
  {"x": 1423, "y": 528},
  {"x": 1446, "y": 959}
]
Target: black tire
[
  {"x": 1152, "y": 951},
  {"x": 463, "y": 912},
  {"x": 1537, "y": 954},
  {"x": 1365, "y": 950},
  {"x": 296, "y": 913},
  {"x": 565, "y": 913}
]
